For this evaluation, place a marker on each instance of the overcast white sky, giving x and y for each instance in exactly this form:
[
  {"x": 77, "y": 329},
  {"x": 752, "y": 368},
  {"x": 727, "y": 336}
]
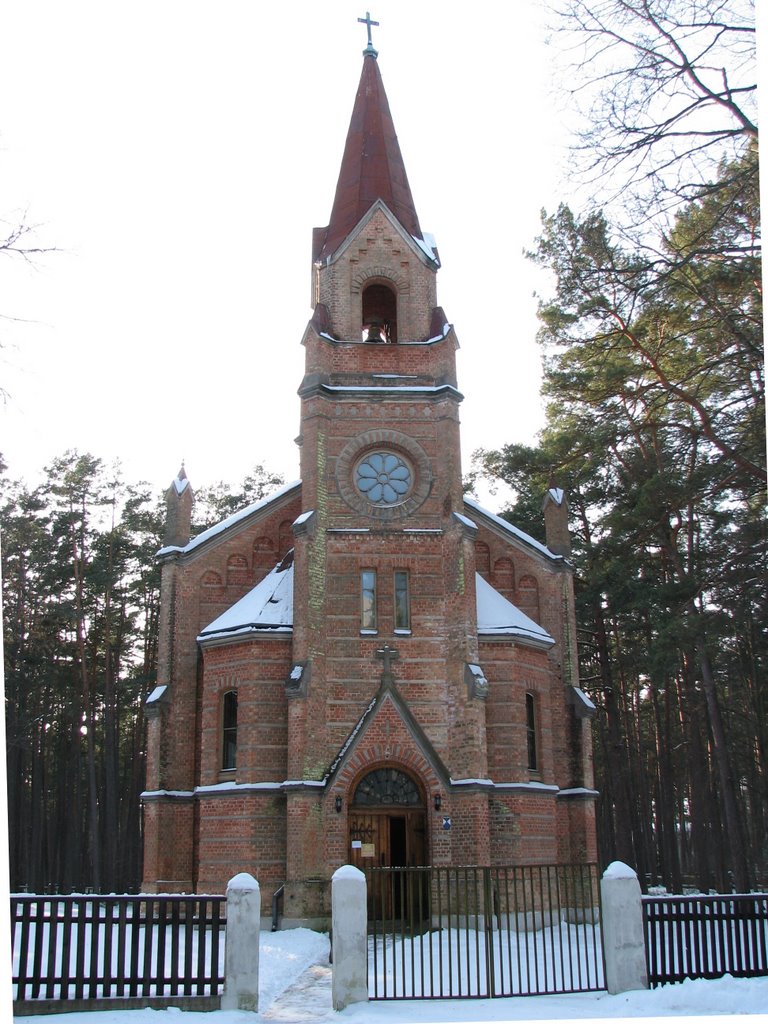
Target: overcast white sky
[{"x": 179, "y": 153}]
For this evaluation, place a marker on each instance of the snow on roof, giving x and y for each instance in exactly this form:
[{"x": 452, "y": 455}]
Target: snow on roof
[
  {"x": 496, "y": 616},
  {"x": 421, "y": 389},
  {"x": 156, "y": 694},
  {"x": 439, "y": 337},
  {"x": 557, "y": 494},
  {"x": 583, "y": 699},
  {"x": 513, "y": 530},
  {"x": 232, "y": 520},
  {"x": 181, "y": 484},
  {"x": 466, "y": 521},
  {"x": 542, "y": 787},
  {"x": 269, "y": 606},
  {"x": 428, "y": 246}
]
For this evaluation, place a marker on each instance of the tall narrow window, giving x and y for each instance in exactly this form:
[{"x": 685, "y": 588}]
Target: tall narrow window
[
  {"x": 530, "y": 728},
  {"x": 229, "y": 730},
  {"x": 402, "y": 601},
  {"x": 368, "y": 599}
]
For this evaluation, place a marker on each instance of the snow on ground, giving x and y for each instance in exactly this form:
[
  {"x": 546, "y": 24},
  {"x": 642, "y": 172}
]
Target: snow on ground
[{"x": 285, "y": 955}]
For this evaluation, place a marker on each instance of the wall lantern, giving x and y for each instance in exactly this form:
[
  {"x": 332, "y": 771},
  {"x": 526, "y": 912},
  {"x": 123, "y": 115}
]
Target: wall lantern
[
  {"x": 438, "y": 801},
  {"x": 337, "y": 804}
]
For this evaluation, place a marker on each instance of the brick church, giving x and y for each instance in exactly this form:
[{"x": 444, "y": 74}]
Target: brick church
[{"x": 366, "y": 667}]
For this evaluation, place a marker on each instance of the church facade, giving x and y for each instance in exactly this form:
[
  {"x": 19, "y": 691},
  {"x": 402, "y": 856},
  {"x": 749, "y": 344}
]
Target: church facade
[{"x": 367, "y": 667}]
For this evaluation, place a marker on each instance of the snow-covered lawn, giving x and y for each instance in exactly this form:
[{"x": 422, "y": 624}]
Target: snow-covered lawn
[{"x": 286, "y": 955}]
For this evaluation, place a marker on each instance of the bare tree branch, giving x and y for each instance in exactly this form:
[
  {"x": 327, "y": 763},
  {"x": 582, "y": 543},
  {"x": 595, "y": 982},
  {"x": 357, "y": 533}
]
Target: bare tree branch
[{"x": 666, "y": 90}]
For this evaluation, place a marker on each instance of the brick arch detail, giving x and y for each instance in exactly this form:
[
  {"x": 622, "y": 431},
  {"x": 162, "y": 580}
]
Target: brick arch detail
[
  {"x": 238, "y": 571},
  {"x": 417, "y": 779},
  {"x": 528, "y": 597},
  {"x": 376, "y": 749},
  {"x": 384, "y": 274},
  {"x": 406, "y": 759},
  {"x": 483, "y": 559}
]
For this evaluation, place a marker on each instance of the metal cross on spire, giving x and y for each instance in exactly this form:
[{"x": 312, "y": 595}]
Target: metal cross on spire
[{"x": 368, "y": 22}]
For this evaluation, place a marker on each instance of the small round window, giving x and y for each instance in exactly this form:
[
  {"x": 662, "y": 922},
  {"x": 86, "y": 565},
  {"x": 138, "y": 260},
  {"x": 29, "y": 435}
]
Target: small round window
[{"x": 383, "y": 478}]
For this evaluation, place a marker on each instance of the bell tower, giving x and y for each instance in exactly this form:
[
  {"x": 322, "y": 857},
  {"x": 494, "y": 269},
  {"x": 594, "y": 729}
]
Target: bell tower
[{"x": 384, "y": 557}]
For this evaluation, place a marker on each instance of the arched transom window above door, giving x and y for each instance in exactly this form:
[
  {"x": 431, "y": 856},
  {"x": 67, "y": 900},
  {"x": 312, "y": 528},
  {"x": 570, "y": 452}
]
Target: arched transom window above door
[{"x": 387, "y": 787}]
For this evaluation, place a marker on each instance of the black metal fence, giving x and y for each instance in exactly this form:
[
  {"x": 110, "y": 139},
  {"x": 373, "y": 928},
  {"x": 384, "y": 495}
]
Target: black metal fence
[
  {"x": 705, "y": 936},
  {"x": 478, "y": 932},
  {"x": 119, "y": 947}
]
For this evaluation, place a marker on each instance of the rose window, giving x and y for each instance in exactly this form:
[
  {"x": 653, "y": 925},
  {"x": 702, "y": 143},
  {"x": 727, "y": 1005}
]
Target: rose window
[{"x": 383, "y": 478}]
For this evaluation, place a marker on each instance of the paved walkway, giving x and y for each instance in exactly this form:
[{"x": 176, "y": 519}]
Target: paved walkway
[{"x": 307, "y": 999}]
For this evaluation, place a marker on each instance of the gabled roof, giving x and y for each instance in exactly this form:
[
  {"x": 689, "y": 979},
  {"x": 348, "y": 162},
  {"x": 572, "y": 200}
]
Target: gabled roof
[
  {"x": 388, "y": 691},
  {"x": 372, "y": 167},
  {"x": 232, "y": 521},
  {"x": 506, "y": 527}
]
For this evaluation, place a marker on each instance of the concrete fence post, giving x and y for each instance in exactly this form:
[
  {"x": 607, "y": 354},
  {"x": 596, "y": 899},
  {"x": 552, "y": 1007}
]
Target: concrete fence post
[
  {"x": 241, "y": 948},
  {"x": 349, "y": 915},
  {"x": 623, "y": 940}
]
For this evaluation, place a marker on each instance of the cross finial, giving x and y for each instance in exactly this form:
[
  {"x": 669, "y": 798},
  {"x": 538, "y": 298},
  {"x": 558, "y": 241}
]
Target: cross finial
[
  {"x": 368, "y": 22},
  {"x": 387, "y": 654}
]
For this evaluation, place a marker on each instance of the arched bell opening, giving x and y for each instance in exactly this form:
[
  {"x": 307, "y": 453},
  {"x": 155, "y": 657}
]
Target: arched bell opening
[{"x": 379, "y": 314}]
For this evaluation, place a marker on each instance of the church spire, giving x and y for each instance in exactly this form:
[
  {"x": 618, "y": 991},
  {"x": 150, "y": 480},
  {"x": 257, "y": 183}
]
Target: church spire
[{"x": 372, "y": 166}]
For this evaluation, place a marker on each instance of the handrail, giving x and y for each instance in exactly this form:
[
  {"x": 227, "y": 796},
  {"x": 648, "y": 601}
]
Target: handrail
[{"x": 277, "y": 900}]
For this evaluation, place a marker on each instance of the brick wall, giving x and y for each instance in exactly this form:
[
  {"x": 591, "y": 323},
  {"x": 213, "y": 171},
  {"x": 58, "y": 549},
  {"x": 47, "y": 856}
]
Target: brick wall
[{"x": 379, "y": 253}]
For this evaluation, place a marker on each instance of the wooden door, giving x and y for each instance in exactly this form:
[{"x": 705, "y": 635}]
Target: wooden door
[{"x": 388, "y": 837}]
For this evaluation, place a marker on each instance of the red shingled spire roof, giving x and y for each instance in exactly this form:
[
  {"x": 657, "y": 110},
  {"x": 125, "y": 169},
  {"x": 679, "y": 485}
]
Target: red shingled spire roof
[{"x": 372, "y": 166}]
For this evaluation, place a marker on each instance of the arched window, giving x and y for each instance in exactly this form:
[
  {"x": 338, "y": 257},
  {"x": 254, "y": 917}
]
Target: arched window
[
  {"x": 379, "y": 314},
  {"x": 229, "y": 730},
  {"x": 387, "y": 787}
]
